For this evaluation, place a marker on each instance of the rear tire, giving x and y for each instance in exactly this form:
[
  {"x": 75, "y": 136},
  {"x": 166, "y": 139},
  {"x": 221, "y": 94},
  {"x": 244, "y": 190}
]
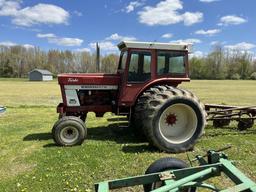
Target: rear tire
[
  {"x": 69, "y": 131},
  {"x": 164, "y": 164},
  {"x": 173, "y": 119}
]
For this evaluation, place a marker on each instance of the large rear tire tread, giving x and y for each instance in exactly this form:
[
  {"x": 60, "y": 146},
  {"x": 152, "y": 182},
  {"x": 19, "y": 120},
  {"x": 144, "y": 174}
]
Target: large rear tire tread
[{"x": 150, "y": 103}]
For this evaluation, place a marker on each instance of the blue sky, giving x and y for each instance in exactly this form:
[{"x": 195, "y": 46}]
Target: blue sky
[{"x": 76, "y": 25}]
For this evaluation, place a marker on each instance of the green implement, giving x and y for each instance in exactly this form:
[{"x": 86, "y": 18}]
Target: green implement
[{"x": 175, "y": 178}]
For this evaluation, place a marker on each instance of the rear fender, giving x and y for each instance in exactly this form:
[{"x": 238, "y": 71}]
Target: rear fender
[{"x": 174, "y": 83}]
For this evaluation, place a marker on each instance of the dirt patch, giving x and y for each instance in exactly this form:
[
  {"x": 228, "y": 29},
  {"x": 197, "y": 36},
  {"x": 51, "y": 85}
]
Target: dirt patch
[{"x": 15, "y": 169}]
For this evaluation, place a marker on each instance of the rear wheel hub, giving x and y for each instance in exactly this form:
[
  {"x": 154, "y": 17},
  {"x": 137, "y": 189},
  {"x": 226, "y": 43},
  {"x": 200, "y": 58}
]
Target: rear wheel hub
[
  {"x": 171, "y": 119},
  {"x": 178, "y": 123}
]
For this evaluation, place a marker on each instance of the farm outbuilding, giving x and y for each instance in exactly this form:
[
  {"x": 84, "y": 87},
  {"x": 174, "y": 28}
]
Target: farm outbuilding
[{"x": 40, "y": 75}]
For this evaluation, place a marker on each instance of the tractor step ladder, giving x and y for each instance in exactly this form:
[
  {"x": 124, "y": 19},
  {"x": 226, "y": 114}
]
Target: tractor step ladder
[{"x": 124, "y": 114}]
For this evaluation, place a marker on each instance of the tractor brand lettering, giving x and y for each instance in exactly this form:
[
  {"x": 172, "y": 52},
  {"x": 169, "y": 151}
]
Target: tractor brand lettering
[{"x": 72, "y": 80}]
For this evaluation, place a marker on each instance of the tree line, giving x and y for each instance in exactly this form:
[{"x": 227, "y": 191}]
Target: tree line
[
  {"x": 224, "y": 64},
  {"x": 220, "y": 63},
  {"x": 18, "y": 61}
]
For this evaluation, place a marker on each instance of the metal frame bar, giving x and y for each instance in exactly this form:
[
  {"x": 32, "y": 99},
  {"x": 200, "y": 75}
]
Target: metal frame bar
[
  {"x": 230, "y": 113},
  {"x": 188, "y": 177}
]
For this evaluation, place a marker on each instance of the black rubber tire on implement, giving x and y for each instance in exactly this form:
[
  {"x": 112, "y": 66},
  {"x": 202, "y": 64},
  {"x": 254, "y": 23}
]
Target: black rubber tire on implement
[
  {"x": 158, "y": 100},
  {"x": 66, "y": 126},
  {"x": 245, "y": 124},
  {"x": 164, "y": 164},
  {"x": 221, "y": 122}
]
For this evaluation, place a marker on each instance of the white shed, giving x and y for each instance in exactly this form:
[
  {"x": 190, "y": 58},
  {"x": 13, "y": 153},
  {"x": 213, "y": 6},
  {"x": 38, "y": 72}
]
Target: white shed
[{"x": 40, "y": 75}]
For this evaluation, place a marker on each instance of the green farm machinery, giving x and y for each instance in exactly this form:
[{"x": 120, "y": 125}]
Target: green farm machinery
[{"x": 173, "y": 175}]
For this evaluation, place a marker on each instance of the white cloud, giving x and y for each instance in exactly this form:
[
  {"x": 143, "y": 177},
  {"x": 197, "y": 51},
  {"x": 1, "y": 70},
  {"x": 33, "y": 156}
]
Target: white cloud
[
  {"x": 28, "y": 46},
  {"x": 83, "y": 50},
  {"x": 117, "y": 37},
  {"x": 241, "y": 46},
  {"x": 9, "y": 8},
  {"x": 65, "y": 41},
  {"x": 166, "y": 13},
  {"x": 209, "y": 32},
  {"x": 38, "y": 14},
  {"x": 187, "y": 41},
  {"x": 167, "y": 35},
  {"x": 208, "y": 1},
  {"x": 105, "y": 46},
  {"x": 198, "y": 54},
  {"x": 78, "y": 13},
  {"x": 11, "y": 44},
  {"x": 47, "y": 35},
  {"x": 8, "y": 43},
  {"x": 132, "y": 6},
  {"x": 214, "y": 43},
  {"x": 192, "y": 18},
  {"x": 61, "y": 41},
  {"x": 231, "y": 20}
]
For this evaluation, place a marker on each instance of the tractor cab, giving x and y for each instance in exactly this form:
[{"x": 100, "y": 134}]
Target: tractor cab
[{"x": 144, "y": 64}]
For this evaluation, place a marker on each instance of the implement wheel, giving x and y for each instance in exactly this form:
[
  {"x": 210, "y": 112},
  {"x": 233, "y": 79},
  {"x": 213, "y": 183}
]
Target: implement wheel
[
  {"x": 245, "y": 124},
  {"x": 173, "y": 119},
  {"x": 69, "y": 131},
  {"x": 221, "y": 122},
  {"x": 164, "y": 164}
]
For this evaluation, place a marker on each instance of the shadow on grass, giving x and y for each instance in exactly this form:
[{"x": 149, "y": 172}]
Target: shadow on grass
[
  {"x": 117, "y": 132},
  {"x": 139, "y": 148},
  {"x": 120, "y": 133},
  {"x": 38, "y": 137}
]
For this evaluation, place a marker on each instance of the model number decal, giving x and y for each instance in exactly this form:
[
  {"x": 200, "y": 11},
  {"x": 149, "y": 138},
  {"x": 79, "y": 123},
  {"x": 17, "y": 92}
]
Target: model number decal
[
  {"x": 91, "y": 87},
  {"x": 97, "y": 86}
]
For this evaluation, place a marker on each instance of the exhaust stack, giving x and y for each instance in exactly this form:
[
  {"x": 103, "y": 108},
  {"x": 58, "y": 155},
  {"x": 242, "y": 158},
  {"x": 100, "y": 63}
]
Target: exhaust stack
[{"x": 97, "y": 58}]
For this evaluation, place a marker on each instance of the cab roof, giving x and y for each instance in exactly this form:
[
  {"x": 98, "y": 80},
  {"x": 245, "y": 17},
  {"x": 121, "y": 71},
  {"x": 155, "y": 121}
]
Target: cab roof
[{"x": 155, "y": 45}]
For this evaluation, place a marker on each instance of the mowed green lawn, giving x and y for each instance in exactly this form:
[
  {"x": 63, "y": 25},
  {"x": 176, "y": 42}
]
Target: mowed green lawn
[{"x": 29, "y": 160}]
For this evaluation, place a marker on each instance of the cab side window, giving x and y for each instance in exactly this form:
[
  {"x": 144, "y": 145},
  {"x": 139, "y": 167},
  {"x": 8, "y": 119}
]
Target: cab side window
[
  {"x": 139, "y": 67},
  {"x": 170, "y": 62}
]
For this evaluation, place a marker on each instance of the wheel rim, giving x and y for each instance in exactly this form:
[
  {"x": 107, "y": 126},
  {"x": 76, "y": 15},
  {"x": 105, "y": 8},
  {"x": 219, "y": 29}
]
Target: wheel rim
[
  {"x": 69, "y": 134},
  {"x": 178, "y": 123}
]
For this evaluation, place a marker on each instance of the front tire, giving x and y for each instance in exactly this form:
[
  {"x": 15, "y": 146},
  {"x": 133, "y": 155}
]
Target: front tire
[
  {"x": 69, "y": 131},
  {"x": 173, "y": 119}
]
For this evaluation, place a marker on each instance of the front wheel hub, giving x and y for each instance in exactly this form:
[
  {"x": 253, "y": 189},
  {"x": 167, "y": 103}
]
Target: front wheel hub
[{"x": 69, "y": 134}]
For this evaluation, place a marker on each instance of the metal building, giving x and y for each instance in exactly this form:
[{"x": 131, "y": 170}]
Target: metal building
[{"x": 40, "y": 75}]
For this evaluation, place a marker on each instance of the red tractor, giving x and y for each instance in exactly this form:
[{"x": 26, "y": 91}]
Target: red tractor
[{"x": 144, "y": 88}]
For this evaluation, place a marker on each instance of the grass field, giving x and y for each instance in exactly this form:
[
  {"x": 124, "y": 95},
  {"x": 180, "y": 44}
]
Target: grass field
[{"x": 31, "y": 162}]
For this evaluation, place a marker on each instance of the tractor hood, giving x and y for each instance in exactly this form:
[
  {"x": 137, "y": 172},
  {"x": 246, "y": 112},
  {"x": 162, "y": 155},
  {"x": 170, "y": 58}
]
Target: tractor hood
[{"x": 89, "y": 79}]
